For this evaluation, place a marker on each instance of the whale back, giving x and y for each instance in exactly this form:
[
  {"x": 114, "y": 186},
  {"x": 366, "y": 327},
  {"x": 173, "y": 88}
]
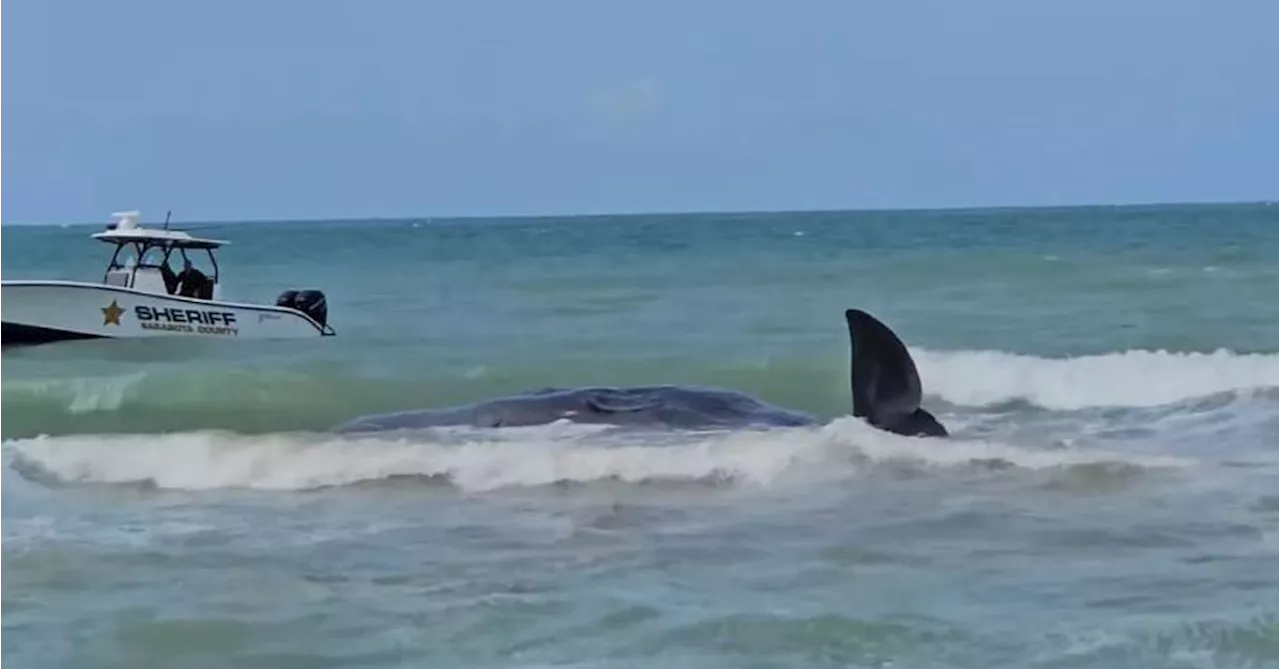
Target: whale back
[
  {"x": 883, "y": 380},
  {"x": 885, "y": 386}
]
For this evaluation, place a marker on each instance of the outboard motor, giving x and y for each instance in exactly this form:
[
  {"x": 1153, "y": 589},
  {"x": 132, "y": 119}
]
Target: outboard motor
[
  {"x": 313, "y": 304},
  {"x": 309, "y": 302}
]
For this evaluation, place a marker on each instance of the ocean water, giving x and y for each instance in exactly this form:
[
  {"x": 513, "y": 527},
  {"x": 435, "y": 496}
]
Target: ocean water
[{"x": 1108, "y": 497}]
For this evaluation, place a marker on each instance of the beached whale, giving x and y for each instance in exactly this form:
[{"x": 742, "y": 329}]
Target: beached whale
[{"x": 883, "y": 380}]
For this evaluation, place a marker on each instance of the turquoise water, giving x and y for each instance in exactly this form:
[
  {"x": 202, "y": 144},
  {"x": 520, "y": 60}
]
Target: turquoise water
[{"x": 1108, "y": 497}]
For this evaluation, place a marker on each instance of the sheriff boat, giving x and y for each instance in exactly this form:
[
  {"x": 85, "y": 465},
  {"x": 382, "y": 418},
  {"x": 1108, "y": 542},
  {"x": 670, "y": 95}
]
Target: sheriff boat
[{"x": 141, "y": 295}]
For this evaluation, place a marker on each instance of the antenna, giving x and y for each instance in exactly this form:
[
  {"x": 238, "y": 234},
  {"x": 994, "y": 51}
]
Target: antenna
[{"x": 167, "y": 214}]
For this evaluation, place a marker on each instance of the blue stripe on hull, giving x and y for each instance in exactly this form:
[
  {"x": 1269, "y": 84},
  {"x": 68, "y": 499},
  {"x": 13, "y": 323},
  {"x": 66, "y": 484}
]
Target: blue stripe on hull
[{"x": 17, "y": 334}]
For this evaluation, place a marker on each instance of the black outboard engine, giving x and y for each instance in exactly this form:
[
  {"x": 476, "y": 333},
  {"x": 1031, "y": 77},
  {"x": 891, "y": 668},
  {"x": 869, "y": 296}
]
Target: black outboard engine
[{"x": 309, "y": 302}]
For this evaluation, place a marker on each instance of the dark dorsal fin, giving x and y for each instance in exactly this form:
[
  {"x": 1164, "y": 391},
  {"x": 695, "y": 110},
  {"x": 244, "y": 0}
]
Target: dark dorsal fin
[{"x": 883, "y": 379}]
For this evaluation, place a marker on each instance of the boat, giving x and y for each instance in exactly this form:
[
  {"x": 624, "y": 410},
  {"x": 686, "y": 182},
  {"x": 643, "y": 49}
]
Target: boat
[{"x": 140, "y": 295}]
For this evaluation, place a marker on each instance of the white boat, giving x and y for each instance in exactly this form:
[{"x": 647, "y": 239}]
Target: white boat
[{"x": 142, "y": 296}]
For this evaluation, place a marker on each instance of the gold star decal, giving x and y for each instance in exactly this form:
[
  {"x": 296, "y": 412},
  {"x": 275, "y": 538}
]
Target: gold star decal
[{"x": 111, "y": 314}]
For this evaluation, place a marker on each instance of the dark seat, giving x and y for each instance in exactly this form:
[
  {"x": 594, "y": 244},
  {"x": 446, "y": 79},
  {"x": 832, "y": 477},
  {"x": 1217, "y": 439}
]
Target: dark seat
[
  {"x": 195, "y": 284},
  {"x": 170, "y": 279}
]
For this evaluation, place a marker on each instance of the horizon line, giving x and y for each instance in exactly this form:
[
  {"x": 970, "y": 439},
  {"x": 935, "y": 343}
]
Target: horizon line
[{"x": 672, "y": 212}]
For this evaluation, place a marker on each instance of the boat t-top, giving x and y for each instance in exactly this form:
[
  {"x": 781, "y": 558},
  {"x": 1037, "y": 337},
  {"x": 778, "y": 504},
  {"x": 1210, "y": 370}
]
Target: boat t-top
[{"x": 141, "y": 295}]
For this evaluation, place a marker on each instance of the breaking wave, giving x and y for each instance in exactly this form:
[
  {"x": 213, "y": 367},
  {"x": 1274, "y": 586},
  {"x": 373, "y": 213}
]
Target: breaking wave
[{"x": 477, "y": 460}]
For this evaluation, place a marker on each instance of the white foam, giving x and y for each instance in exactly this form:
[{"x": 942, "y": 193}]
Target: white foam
[
  {"x": 490, "y": 459},
  {"x": 1125, "y": 379}
]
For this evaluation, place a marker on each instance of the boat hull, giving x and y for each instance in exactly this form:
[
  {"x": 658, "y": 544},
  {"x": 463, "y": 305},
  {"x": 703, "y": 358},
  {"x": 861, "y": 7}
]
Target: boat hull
[{"x": 39, "y": 312}]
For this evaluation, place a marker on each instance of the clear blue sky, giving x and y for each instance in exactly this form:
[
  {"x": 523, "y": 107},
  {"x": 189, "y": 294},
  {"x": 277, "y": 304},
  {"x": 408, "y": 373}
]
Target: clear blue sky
[{"x": 235, "y": 109}]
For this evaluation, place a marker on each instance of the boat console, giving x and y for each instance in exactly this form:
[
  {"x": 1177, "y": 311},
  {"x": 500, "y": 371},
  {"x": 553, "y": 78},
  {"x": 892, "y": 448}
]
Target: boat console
[{"x": 149, "y": 255}]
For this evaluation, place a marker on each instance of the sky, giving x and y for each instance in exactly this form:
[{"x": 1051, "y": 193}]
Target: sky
[{"x": 248, "y": 110}]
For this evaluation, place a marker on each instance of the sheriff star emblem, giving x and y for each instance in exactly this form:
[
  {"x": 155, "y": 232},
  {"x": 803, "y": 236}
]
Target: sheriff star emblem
[{"x": 111, "y": 314}]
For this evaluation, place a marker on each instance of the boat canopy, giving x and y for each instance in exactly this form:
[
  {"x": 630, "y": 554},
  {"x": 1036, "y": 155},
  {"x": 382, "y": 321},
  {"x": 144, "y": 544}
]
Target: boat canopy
[{"x": 126, "y": 230}]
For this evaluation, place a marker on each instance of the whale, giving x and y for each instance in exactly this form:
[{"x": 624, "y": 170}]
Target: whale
[{"x": 884, "y": 386}]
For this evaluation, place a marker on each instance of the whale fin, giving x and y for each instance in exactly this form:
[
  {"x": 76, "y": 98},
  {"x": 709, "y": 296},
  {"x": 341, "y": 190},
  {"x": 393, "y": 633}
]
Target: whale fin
[{"x": 883, "y": 379}]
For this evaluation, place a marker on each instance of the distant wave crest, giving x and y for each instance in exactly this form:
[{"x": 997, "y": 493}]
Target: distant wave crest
[
  {"x": 1123, "y": 379},
  {"x": 267, "y": 400}
]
